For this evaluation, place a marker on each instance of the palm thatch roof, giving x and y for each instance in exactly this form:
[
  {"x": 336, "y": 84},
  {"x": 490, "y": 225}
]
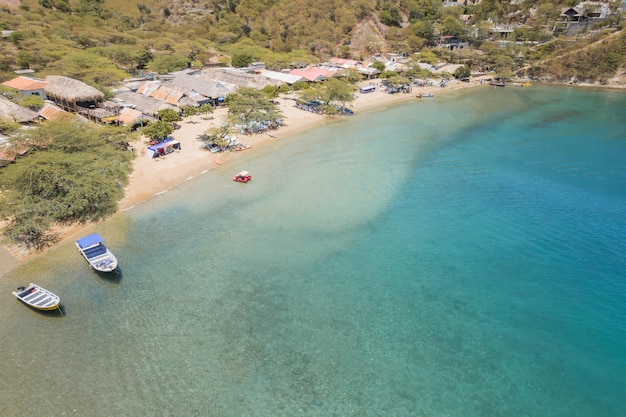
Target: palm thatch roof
[
  {"x": 201, "y": 85},
  {"x": 17, "y": 113},
  {"x": 238, "y": 78},
  {"x": 71, "y": 90},
  {"x": 146, "y": 105}
]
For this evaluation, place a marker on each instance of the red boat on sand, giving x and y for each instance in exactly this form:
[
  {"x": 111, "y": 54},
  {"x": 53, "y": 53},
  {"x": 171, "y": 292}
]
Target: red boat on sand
[{"x": 243, "y": 176}]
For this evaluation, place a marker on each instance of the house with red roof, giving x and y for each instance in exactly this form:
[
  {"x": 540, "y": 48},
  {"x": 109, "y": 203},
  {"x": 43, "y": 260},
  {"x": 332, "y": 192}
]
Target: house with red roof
[
  {"x": 314, "y": 73},
  {"x": 27, "y": 86}
]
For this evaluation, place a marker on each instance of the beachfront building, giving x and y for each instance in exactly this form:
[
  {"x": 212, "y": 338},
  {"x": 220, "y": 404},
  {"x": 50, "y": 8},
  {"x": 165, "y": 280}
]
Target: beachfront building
[
  {"x": 201, "y": 89},
  {"x": 173, "y": 96},
  {"x": 314, "y": 74},
  {"x": 145, "y": 104},
  {"x": 282, "y": 77},
  {"x": 237, "y": 78},
  {"x": 77, "y": 97}
]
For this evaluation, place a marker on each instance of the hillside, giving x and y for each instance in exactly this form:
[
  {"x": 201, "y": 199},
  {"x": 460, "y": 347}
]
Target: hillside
[{"x": 103, "y": 41}]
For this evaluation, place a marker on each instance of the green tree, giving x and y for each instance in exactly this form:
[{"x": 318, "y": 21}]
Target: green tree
[
  {"x": 158, "y": 130},
  {"x": 331, "y": 92},
  {"x": 249, "y": 105},
  {"x": 271, "y": 91},
  {"x": 8, "y": 127},
  {"x": 397, "y": 81},
  {"x": 79, "y": 176},
  {"x": 190, "y": 111},
  {"x": 462, "y": 72},
  {"x": 163, "y": 64},
  {"x": 88, "y": 66},
  {"x": 242, "y": 60},
  {"x": 351, "y": 75},
  {"x": 379, "y": 65},
  {"x": 168, "y": 115},
  {"x": 33, "y": 102},
  {"x": 205, "y": 108},
  {"x": 451, "y": 26}
]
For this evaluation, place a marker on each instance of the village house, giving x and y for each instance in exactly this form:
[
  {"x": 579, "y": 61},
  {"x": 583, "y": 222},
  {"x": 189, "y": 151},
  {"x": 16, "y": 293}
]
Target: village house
[
  {"x": 575, "y": 19},
  {"x": 315, "y": 74},
  {"x": 452, "y": 42},
  {"x": 27, "y": 86}
]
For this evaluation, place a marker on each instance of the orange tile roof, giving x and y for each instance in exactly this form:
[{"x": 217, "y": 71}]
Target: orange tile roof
[
  {"x": 313, "y": 73},
  {"x": 174, "y": 96},
  {"x": 25, "y": 83},
  {"x": 160, "y": 93}
]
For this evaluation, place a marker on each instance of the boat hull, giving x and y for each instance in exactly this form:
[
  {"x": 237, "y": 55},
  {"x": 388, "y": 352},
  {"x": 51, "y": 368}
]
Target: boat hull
[
  {"x": 38, "y": 298},
  {"x": 242, "y": 176},
  {"x": 96, "y": 253},
  {"x": 107, "y": 263}
]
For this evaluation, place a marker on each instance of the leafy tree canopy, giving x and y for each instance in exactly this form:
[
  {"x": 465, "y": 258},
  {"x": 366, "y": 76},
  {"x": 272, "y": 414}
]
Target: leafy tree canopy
[
  {"x": 33, "y": 102},
  {"x": 162, "y": 64},
  {"x": 78, "y": 177},
  {"x": 249, "y": 105},
  {"x": 168, "y": 115},
  {"x": 158, "y": 130},
  {"x": 331, "y": 91}
]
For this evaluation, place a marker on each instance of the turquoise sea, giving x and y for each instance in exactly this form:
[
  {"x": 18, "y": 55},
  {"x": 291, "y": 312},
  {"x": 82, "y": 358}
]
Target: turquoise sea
[{"x": 457, "y": 256}]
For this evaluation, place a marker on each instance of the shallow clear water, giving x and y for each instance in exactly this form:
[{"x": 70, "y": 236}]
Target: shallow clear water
[{"x": 459, "y": 256}]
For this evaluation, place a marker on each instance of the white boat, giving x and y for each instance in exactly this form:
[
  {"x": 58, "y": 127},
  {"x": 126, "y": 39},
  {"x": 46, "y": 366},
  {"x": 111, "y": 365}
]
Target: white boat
[
  {"x": 38, "y": 297},
  {"x": 99, "y": 256}
]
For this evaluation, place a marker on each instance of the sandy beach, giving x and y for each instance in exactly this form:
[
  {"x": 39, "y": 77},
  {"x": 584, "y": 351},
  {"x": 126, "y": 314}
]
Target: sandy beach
[{"x": 153, "y": 176}]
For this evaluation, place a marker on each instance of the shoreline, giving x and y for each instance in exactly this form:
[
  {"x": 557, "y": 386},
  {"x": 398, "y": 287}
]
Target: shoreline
[{"x": 152, "y": 177}]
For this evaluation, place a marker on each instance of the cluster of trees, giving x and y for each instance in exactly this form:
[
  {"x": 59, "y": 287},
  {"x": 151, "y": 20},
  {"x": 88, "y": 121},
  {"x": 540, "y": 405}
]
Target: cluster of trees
[
  {"x": 101, "y": 42},
  {"x": 75, "y": 172},
  {"x": 164, "y": 126}
]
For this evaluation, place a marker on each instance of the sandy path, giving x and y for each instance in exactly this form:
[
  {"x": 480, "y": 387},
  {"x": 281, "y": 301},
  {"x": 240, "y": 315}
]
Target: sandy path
[{"x": 152, "y": 176}]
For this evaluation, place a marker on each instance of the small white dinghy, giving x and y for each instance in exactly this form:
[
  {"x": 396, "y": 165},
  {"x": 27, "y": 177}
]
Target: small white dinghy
[
  {"x": 96, "y": 253},
  {"x": 38, "y": 297}
]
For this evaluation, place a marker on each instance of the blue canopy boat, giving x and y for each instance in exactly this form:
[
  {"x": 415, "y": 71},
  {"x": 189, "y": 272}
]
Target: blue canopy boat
[{"x": 99, "y": 256}]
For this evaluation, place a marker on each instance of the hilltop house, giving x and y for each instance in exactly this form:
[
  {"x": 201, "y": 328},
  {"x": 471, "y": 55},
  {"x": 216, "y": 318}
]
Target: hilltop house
[{"x": 27, "y": 86}]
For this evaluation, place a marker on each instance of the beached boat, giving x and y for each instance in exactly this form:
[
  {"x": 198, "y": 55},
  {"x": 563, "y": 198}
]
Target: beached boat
[
  {"x": 242, "y": 176},
  {"x": 425, "y": 95},
  {"x": 497, "y": 83},
  {"x": 99, "y": 256},
  {"x": 38, "y": 297}
]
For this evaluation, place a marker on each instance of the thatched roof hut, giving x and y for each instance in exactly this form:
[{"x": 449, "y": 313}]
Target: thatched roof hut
[
  {"x": 146, "y": 105},
  {"x": 70, "y": 89},
  {"x": 210, "y": 89},
  {"x": 17, "y": 113},
  {"x": 237, "y": 77},
  {"x": 70, "y": 93}
]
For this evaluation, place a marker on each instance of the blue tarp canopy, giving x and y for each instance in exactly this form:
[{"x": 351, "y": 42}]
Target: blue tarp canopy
[
  {"x": 161, "y": 145},
  {"x": 89, "y": 240},
  {"x": 163, "y": 148}
]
